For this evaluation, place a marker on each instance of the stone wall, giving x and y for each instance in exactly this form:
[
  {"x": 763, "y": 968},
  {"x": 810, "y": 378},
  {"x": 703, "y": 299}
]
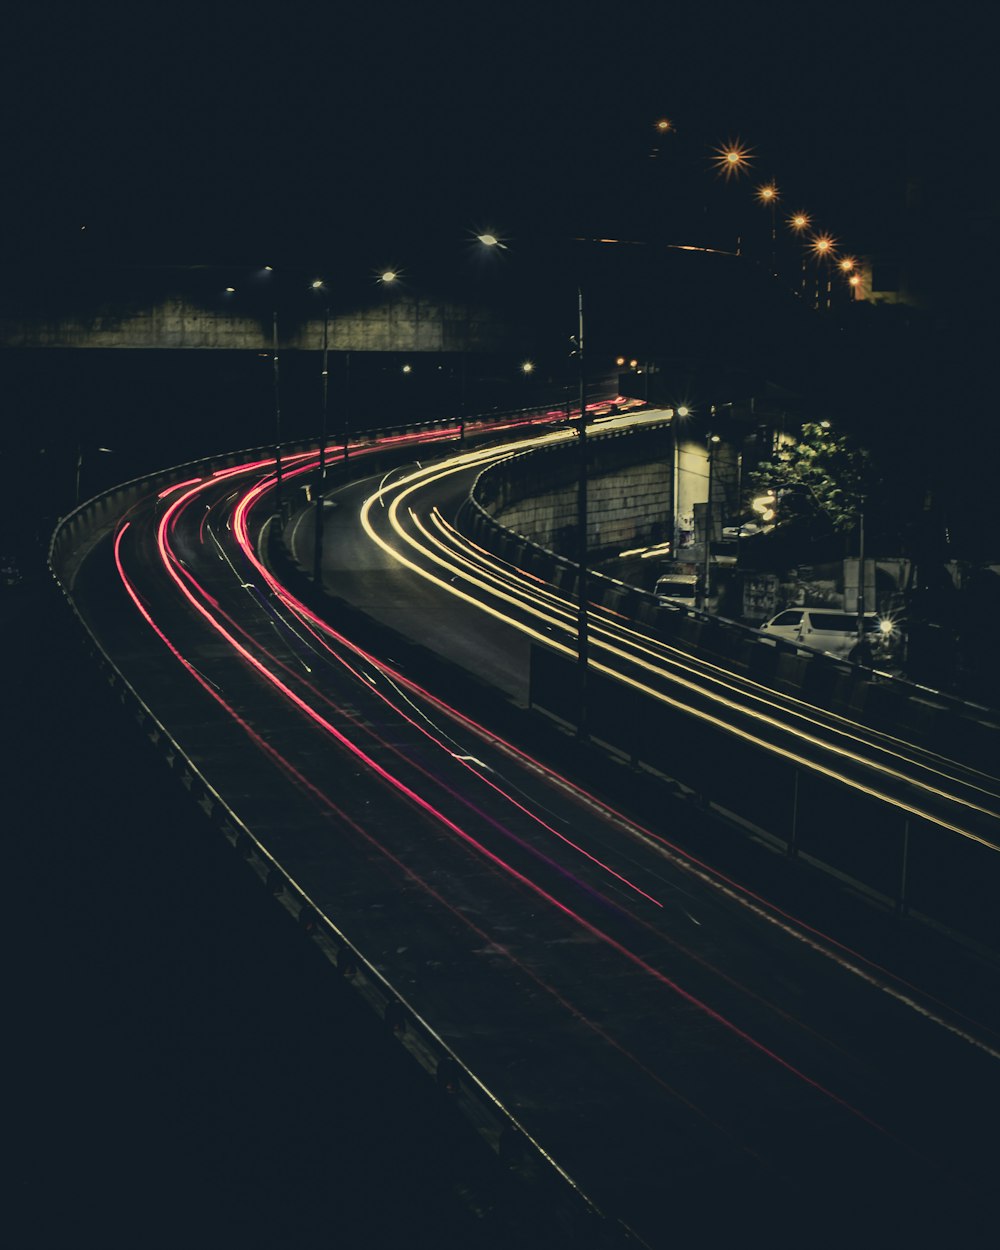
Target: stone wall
[
  {"x": 624, "y": 509},
  {"x": 405, "y": 324}
]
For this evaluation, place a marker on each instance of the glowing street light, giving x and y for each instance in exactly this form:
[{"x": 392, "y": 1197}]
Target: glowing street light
[
  {"x": 822, "y": 247},
  {"x": 527, "y": 367},
  {"x": 797, "y": 223},
  {"x": 319, "y": 285},
  {"x": 767, "y": 194},
  {"x": 732, "y": 159},
  {"x": 663, "y": 125},
  {"x": 679, "y": 413},
  {"x": 389, "y": 276},
  {"x": 712, "y": 442}
]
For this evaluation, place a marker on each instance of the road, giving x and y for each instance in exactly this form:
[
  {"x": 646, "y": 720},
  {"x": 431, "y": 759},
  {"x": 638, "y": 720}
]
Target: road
[{"x": 692, "y": 1053}]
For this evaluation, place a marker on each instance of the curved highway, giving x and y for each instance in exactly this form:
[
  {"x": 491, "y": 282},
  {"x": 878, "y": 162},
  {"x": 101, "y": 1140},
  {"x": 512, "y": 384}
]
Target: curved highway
[{"x": 693, "y": 1055}]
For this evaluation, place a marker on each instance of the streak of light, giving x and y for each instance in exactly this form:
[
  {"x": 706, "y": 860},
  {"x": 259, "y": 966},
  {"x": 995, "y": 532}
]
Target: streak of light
[
  {"x": 163, "y": 531},
  {"x": 722, "y": 700}
]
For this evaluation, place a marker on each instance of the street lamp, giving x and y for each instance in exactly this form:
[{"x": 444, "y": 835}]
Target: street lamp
[
  {"x": 848, "y": 267},
  {"x": 675, "y": 540},
  {"x": 713, "y": 441},
  {"x": 107, "y": 451},
  {"x": 731, "y": 159},
  {"x": 822, "y": 247},
  {"x": 767, "y": 194},
  {"x": 319, "y": 285},
  {"x": 277, "y": 410},
  {"x": 797, "y": 223},
  {"x": 583, "y": 641}
]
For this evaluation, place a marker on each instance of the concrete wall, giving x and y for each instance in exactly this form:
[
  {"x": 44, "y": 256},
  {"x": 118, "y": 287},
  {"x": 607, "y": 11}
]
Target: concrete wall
[
  {"x": 628, "y": 505},
  {"x": 401, "y": 324},
  {"x": 623, "y": 509}
]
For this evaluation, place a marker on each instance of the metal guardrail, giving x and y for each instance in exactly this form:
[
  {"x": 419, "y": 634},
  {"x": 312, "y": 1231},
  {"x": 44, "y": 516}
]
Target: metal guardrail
[
  {"x": 645, "y": 609},
  {"x": 74, "y": 536}
]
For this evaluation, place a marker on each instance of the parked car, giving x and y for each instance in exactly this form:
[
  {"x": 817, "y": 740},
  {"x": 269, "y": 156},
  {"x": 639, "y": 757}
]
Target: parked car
[
  {"x": 741, "y": 529},
  {"x": 823, "y": 629},
  {"x": 680, "y": 588}
]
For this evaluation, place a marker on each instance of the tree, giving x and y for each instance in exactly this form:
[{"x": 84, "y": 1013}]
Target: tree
[{"x": 819, "y": 478}]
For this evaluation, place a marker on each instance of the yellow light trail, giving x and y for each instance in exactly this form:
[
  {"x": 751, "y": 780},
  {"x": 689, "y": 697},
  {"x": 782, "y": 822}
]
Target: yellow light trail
[{"x": 422, "y": 478}]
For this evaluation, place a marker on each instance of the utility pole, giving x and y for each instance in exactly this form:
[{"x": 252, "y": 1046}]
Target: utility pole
[
  {"x": 582, "y": 638},
  {"x": 347, "y": 407},
  {"x": 706, "y": 576},
  {"x": 321, "y": 484},
  {"x": 861, "y": 571},
  {"x": 277, "y": 411}
]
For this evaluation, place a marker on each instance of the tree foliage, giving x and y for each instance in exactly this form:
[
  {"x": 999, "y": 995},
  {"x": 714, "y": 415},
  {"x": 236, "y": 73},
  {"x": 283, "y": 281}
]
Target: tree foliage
[{"x": 819, "y": 478}]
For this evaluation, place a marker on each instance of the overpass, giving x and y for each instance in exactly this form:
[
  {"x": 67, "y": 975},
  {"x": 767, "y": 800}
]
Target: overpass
[{"x": 590, "y": 1050}]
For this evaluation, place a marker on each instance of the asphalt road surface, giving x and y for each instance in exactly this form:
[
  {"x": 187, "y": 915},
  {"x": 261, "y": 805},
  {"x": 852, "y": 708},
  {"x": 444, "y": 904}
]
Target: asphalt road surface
[{"x": 696, "y": 1055}]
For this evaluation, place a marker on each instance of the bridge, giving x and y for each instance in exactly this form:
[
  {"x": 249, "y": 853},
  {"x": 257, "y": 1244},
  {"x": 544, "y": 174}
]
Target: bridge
[{"x": 634, "y": 1000}]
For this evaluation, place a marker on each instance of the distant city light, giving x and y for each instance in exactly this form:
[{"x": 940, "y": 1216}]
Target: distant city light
[
  {"x": 822, "y": 244},
  {"x": 799, "y": 221},
  {"x": 768, "y": 193}
]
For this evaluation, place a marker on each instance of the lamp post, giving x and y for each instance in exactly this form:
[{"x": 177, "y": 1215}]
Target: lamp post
[
  {"x": 797, "y": 223},
  {"x": 861, "y": 568},
  {"x": 768, "y": 196},
  {"x": 848, "y": 266},
  {"x": 108, "y": 451},
  {"x": 277, "y": 410},
  {"x": 823, "y": 249},
  {"x": 583, "y": 641},
  {"x": 347, "y": 410},
  {"x": 318, "y": 285},
  {"x": 492, "y": 243},
  {"x": 713, "y": 440},
  {"x": 675, "y": 488}
]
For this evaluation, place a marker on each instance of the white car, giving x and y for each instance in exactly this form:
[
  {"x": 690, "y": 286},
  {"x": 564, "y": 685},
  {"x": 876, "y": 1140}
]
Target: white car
[
  {"x": 679, "y": 588},
  {"x": 740, "y": 530},
  {"x": 823, "y": 629}
]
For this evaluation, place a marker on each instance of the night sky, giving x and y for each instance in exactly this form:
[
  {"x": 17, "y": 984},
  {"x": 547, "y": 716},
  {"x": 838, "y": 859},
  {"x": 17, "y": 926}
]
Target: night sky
[{"x": 198, "y": 134}]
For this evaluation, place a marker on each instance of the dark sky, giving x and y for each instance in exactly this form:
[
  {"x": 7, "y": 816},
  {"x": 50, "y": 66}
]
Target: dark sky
[{"x": 198, "y": 133}]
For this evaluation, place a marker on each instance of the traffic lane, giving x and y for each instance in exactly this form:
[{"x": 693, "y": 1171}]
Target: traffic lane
[
  {"x": 883, "y": 1033},
  {"x": 376, "y": 583},
  {"x": 444, "y": 492},
  {"x": 795, "y": 732},
  {"x": 601, "y": 997},
  {"x": 603, "y": 983}
]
